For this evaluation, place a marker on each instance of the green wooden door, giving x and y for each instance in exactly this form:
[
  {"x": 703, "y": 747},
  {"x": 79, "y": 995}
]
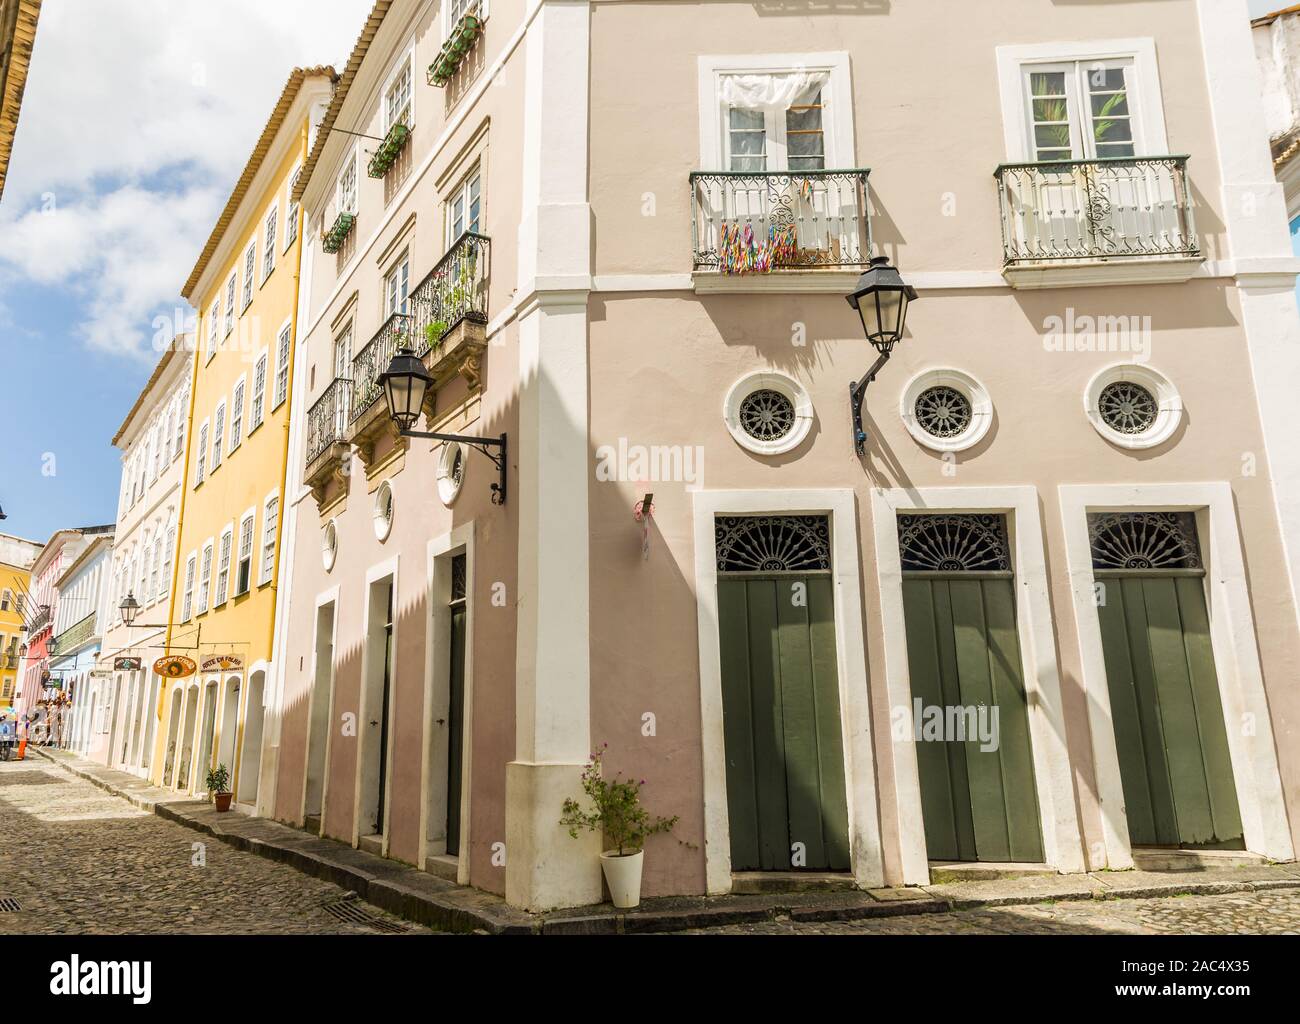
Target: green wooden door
[
  {"x": 973, "y": 749},
  {"x": 781, "y": 718},
  {"x": 969, "y": 711},
  {"x": 455, "y": 727},
  {"x": 1170, "y": 734},
  {"x": 1164, "y": 701}
]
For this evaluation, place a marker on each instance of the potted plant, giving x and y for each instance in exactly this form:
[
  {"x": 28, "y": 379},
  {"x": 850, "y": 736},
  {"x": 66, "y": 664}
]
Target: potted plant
[
  {"x": 218, "y": 780},
  {"x": 617, "y": 813}
]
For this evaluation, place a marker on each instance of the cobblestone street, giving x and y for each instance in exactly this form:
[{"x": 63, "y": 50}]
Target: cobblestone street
[
  {"x": 82, "y": 861},
  {"x": 1275, "y": 912}
]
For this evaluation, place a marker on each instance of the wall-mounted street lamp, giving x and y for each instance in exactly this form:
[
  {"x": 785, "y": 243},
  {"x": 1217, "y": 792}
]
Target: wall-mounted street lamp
[
  {"x": 129, "y": 609},
  {"x": 881, "y": 299},
  {"x": 405, "y": 383}
]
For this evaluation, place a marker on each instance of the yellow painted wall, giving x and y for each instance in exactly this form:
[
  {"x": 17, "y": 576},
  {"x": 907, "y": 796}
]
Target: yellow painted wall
[
  {"x": 16, "y": 581},
  {"x": 250, "y": 473}
]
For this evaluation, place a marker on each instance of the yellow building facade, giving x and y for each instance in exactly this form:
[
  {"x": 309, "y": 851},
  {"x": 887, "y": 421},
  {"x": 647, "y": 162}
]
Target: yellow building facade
[
  {"x": 245, "y": 290},
  {"x": 16, "y": 557}
]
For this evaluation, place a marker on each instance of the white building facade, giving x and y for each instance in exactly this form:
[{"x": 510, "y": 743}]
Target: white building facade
[{"x": 152, "y": 440}]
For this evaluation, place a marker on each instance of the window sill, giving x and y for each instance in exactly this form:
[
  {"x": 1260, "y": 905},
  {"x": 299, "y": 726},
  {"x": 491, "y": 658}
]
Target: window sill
[
  {"x": 836, "y": 282},
  {"x": 1098, "y": 273}
]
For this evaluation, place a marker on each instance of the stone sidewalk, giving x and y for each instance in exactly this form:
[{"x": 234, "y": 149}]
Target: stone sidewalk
[{"x": 423, "y": 898}]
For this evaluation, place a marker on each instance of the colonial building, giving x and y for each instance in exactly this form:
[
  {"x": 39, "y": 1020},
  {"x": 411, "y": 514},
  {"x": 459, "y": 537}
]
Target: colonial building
[
  {"x": 1277, "y": 46},
  {"x": 42, "y": 694},
  {"x": 16, "y": 558},
  {"x": 245, "y": 289},
  {"x": 152, "y": 440},
  {"x": 79, "y": 617},
  {"x": 1033, "y": 604}
]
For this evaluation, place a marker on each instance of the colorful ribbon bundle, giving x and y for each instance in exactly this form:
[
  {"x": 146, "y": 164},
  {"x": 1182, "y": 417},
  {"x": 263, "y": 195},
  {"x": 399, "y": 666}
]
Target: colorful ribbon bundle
[{"x": 740, "y": 253}]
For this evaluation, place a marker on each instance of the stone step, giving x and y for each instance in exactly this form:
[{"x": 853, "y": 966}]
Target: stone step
[
  {"x": 751, "y": 882},
  {"x": 944, "y": 872},
  {"x": 1155, "y": 858}
]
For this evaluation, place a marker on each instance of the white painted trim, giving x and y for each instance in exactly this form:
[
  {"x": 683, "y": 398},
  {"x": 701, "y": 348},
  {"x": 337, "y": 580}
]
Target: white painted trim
[
  {"x": 855, "y": 715},
  {"x": 1150, "y": 138},
  {"x": 980, "y": 402},
  {"x": 328, "y": 597},
  {"x": 1053, "y": 774},
  {"x": 783, "y": 384},
  {"x": 1168, "y": 402},
  {"x": 838, "y": 99},
  {"x": 1236, "y": 657},
  {"x": 436, "y": 683},
  {"x": 374, "y": 574}
]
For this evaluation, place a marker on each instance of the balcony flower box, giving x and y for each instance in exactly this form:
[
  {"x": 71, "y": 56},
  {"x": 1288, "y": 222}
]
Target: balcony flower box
[
  {"x": 332, "y": 241},
  {"x": 459, "y": 43},
  {"x": 389, "y": 150}
]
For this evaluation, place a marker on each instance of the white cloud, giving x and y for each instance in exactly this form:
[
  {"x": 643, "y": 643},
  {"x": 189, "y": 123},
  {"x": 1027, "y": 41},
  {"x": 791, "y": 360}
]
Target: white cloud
[{"x": 138, "y": 117}]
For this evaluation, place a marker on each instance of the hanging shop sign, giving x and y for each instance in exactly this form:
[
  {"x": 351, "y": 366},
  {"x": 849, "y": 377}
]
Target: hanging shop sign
[
  {"x": 126, "y": 664},
  {"x": 101, "y": 673},
  {"x": 175, "y": 666},
  {"x": 221, "y": 662}
]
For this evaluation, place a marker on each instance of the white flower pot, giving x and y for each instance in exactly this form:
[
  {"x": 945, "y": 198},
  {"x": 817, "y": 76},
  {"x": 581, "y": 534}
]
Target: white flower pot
[{"x": 623, "y": 876}]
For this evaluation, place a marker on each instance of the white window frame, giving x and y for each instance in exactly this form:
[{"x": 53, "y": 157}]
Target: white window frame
[
  {"x": 223, "y": 567},
  {"x": 205, "y": 578},
  {"x": 250, "y": 268},
  {"x": 200, "y": 465},
  {"x": 169, "y": 556},
  {"x": 400, "y": 266},
  {"x": 837, "y": 102},
  {"x": 1146, "y": 103},
  {"x": 461, "y": 191},
  {"x": 291, "y": 209},
  {"x": 406, "y": 63},
  {"x": 283, "y": 357},
  {"x": 247, "y": 520},
  {"x": 448, "y": 21},
  {"x": 218, "y": 437},
  {"x": 257, "y": 408},
  {"x": 232, "y": 289},
  {"x": 266, "y": 565},
  {"x": 349, "y": 164},
  {"x": 270, "y": 236},
  {"x": 238, "y": 404},
  {"x": 182, "y": 414}
]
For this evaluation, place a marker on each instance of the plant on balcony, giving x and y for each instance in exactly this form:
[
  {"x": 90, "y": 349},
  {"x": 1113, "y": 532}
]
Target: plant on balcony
[
  {"x": 463, "y": 36},
  {"x": 392, "y": 146},
  {"x": 333, "y": 239},
  {"x": 433, "y": 333}
]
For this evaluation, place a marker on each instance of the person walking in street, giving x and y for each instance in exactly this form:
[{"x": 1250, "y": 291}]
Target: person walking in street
[{"x": 23, "y": 728}]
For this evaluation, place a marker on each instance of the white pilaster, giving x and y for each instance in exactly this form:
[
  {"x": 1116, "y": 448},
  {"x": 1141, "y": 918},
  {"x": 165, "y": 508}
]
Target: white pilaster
[
  {"x": 545, "y": 868},
  {"x": 1259, "y": 243}
]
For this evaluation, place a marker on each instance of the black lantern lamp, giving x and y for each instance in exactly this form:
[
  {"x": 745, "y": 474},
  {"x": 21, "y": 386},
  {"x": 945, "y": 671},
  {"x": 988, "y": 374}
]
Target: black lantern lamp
[
  {"x": 406, "y": 383},
  {"x": 129, "y": 608},
  {"x": 881, "y": 299},
  {"x": 52, "y": 645}
]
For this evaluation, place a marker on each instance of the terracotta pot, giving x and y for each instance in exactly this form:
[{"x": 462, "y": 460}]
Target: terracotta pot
[
  {"x": 223, "y": 800},
  {"x": 623, "y": 876}
]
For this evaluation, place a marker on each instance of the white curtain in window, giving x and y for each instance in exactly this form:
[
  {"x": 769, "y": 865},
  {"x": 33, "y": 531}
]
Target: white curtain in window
[{"x": 756, "y": 92}]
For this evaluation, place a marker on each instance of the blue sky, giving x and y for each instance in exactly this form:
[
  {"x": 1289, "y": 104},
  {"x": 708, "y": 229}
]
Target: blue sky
[{"x": 124, "y": 157}]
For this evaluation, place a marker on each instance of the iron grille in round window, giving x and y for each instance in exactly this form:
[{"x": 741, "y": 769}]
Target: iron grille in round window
[
  {"x": 942, "y": 411},
  {"x": 957, "y": 543},
  {"x": 458, "y": 469},
  {"x": 1144, "y": 540},
  {"x": 766, "y": 415},
  {"x": 1127, "y": 408},
  {"x": 773, "y": 543}
]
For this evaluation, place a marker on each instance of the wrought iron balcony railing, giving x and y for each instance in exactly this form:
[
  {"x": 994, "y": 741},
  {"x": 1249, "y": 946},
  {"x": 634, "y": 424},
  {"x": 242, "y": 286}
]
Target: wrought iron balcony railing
[
  {"x": 373, "y": 360},
  {"x": 757, "y": 223},
  {"x": 41, "y": 620},
  {"x": 327, "y": 419},
  {"x": 1096, "y": 210},
  {"x": 455, "y": 290}
]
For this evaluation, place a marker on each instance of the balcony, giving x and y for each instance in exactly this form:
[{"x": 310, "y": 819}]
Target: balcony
[
  {"x": 787, "y": 230},
  {"x": 369, "y": 421},
  {"x": 327, "y": 443},
  {"x": 1095, "y": 222},
  {"x": 449, "y": 312}
]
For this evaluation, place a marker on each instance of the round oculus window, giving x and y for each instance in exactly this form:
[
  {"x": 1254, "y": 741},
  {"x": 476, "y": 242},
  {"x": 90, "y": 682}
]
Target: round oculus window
[
  {"x": 1127, "y": 407},
  {"x": 768, "y": 413},
  {"x": 451, "y": 471},
  {"x": 384, "y": 511},
  {"x": 329, "y": 545},
  {"x": 943, "y": 411}
]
